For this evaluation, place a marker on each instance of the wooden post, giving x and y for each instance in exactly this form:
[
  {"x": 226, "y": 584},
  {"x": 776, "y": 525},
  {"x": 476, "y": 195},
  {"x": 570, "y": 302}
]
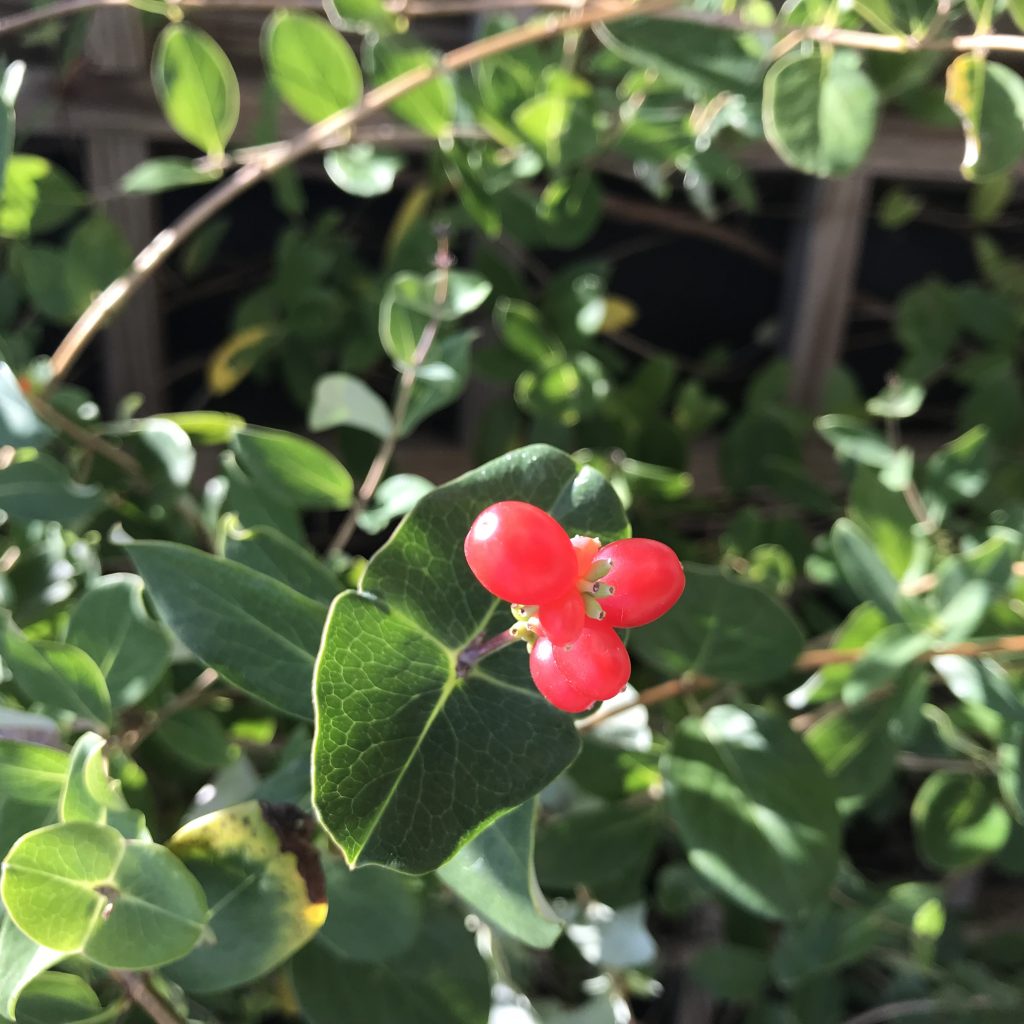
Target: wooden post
[{"x": 132, "y": 346}]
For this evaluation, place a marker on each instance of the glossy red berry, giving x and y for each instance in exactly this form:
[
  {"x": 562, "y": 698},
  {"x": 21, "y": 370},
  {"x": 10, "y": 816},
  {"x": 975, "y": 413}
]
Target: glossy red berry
[
  {"x": 521, "y": 554},
  {"x": 647, "y": 578},
  {"x": 562, "y": 620},
  {"x": 552, "y": 681},
  {"x": 596, "y": 663}
]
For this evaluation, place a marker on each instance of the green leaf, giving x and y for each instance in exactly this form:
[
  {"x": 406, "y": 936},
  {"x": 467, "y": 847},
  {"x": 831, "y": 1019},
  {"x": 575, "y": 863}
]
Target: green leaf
[
  {"x": 306, "y": 473},
  {"x": 364, "y": 15},
  {"x": 38, "y": 197},
  {"x": 852, "y": 438},
  {"x": 20, "y": 427},
  {"x": 431, "y": 106},
  {"x": 270, "y": 552},
  {"x": 89, "y": 794},
  {"x": 495, "y": 875},
  {"x": 863, "y": 569},
  {"x": 59, "y": 998},
  {"x": 163, "y": 173},
  {"x": 35, "y": 773},
  {"x": 439, "y": 980},
  {"x": 607, "y": 850},
  {"x": 899, "y": 399},
  {"x": 41, "y": 488},
  {"x": 10, "y": 86},
  {"x": 341, "y": 400},
  {"x": 83, "y": 888},
  {"x": 361, "y": 171},
  {"x": 256, "y": 632},
  {"x": 819, "y": 111},
  {"x": 111, "y": 625},
  {"x": 885, "y": 519},
  {"x": 731, "y": 972},
  {"x": 263, "y": 881},
  {"x": 393, "y": 498},
  {"x": 440, "y": 380},
  {"x": 310, "y": 65},
  {"x": 989, "y": 100},
  {"x": 958, "y": 821},
  {"x": 755, "y": 810},
  {"x": 393, "y": 711},
  {"x": 723, "y": 627},
  {"x": 21, "y": 960},
  {"x": 56, "y": 675},
  {"x": 196, "y": 87},
  {"x": 829, "y": 940},
  {"x": 206, "y": 426}
]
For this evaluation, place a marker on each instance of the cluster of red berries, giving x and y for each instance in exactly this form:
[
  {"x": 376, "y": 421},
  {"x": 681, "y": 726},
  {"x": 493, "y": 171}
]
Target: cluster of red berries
[{"x": 569, "y": 596}]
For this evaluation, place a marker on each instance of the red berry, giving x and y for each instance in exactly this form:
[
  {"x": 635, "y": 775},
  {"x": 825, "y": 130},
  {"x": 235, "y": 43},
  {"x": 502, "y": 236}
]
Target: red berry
[
  {"x": 552, "y": 681},
  {"x": 520, "y": 553},
  {"x": 647, "y": 578},
  {"x": 563, "y": 619},
  {"x": 596, "y": 663}
]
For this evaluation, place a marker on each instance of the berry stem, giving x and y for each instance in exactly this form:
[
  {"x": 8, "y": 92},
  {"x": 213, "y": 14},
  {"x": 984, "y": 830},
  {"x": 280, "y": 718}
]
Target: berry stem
[{"x": 481, "y": 648}]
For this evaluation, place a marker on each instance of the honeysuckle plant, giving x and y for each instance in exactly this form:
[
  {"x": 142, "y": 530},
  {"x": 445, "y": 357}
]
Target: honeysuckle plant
[{"x": 288, "y": 730}]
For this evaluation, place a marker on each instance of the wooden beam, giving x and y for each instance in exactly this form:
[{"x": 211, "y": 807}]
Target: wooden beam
[{"x": 820, "y": 281}]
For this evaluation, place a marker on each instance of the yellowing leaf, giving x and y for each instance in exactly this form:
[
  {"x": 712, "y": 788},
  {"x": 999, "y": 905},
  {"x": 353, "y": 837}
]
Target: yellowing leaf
[
  {"x": 232, "y": 360},
  {"x": 619, "y": 314}
]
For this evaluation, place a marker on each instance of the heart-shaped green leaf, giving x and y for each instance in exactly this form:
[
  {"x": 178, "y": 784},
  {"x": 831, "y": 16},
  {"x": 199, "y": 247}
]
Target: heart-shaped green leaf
[{"x": 412, "y": 751}]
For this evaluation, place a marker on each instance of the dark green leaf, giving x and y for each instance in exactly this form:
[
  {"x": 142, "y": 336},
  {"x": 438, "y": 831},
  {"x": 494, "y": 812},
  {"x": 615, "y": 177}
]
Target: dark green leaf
[
  {"x": 494, "y": 874},
  {"x": 755, "y": 810},
  {"x": 59, "y": 998},
  {"x": 35, "y": 773},
  {"x": 111, "y": 625},
  {"x": 163, "y": 173},
  {"x": 736, "y": 974},
  {"x": 341, "y": 400},
  {"x": 21, "y": 960},
  {"x": 41, "y": 488},
  {"x": 431, "y": 106},
  {"x": 256, "y": 632},
  {"x": 722, "y": 627},
  {"x": 19, "y": 425},
  {"x": 864, "y": 571}
]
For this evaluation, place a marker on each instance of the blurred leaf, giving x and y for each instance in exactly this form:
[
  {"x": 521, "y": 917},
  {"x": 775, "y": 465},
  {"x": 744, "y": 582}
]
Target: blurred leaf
[
  {"x": 958, "y": 821},
  {"x": 365, "y": 15},
  {"x": 300, "y": 470},
  {"x": 755, "y": 810},
  {"x": 20, "y": 427},
  {"x": 494, "y": 874},
  {"x": 38, "y": 197},
  {"x": 899, "y": 399},
  {"x": 111, "y": 625},
  {"x": 732, "y": 973},
  {"x": 41, "y": 488},
  {"x": 722, "y": 627},
  {"x": 263, "y": 880},
  {"x": 898, "y": 207},
  {"x": 233, "y": 359},
  {"x": 361, "y": 170},
  {"x": 830, "y": 939},
  {"x": 863, "y": 569},
  {"x": 196, "y": 87},
  {"x": 256, "y": 632},
  {"x": 59, "y": 881},
  {"x": 819, "y": 111},
  {"x": 429, "y": 107},
  {"x": 440, "y": 379},
  {"x": 854, "y": 439},
  {"x": 21, "y": 960},
  {"x": 989, "y": 100},
  {"x": 341, "y": 400},
  {"x": 35, "y": 773},
  {"x": 310, "y": 65},
  {"x": 393, "y": 498},
  {"x": 163, "y": 173},
  {"x": 207, "y": 427}
]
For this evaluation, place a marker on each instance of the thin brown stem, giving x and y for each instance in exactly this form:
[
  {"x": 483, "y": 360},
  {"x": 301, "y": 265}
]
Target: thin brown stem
[
  {"x": 312, "y": 139},
  {"x": 809, "y": 660},
  {"x": 139, "y": 990},
  {"x": 916, "y": 1008},
  {"x": 88, "y": 439},
  {"x": 406, "y": 384},
  {"x": 191, "y": 695}
]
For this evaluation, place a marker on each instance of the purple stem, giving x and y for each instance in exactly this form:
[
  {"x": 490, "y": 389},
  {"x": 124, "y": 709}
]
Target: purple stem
[{"x": 481, "y": 648}]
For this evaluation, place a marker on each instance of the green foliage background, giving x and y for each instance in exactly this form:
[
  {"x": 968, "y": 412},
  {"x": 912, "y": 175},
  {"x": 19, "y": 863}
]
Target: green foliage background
[{"x": 248, "y": 773}]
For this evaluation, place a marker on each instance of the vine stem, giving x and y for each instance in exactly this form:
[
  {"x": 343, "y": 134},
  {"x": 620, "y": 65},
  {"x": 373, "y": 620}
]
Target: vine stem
[
  {"x": 309, "y": 141},
  {"x": 192, "y": 694},
  {"x": 139, "y": 990},
  {"x": 809, "y": 660},
  {"x": 406, "y": 384},
  {"x": 481, "y": 648}
]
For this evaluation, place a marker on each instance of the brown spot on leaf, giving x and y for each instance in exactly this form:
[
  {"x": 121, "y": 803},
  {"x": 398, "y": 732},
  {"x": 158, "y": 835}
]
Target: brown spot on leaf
[{"x": 295, "y": 830}]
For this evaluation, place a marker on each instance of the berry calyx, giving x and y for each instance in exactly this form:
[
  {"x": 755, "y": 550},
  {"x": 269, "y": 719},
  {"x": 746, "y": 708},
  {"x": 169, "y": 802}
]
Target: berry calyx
[
  {"x": 552, "y": 682},
  {"x": 521, "y": 554},
  {"x": 647, "y": 580}
]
